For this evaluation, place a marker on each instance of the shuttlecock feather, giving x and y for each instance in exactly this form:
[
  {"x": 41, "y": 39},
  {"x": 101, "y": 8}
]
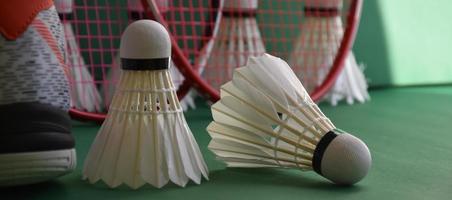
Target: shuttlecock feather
[
  {"x": 145, "y": 138},
  {"x": 315, "y": 51},
  {"x": 238, "y": 38},
  {"x": 265, "y": 118},
  {"x": 84, "y": 93},
  {"x": 350, "y": 85}
]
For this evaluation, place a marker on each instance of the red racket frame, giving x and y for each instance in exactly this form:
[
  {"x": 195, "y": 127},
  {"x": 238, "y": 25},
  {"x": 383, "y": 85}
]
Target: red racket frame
[{"x": 178, "y": 58}]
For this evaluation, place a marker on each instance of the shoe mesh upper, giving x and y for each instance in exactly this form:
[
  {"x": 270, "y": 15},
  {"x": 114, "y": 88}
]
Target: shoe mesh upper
[{"x": 30, "y": 70}]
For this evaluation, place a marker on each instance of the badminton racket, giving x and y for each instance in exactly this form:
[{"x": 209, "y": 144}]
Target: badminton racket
[
  {"x": 96, "y": 29},
  {"x": 251, "y": 27}
]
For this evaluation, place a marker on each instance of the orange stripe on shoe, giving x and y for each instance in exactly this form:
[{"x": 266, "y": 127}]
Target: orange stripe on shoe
[
  {"x": 45, "y": 33},
  {"x": 17, "y": 15}
]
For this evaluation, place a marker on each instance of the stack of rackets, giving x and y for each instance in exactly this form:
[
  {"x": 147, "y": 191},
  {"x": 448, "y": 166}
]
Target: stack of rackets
[{"x": 210, "y": 38}]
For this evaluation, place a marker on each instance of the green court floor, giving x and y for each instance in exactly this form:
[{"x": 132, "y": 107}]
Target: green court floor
[{"x": 408, "y": 130}]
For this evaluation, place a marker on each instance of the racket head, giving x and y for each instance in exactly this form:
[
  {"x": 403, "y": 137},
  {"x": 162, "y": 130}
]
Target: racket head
[{"x": 97, "y": 26}]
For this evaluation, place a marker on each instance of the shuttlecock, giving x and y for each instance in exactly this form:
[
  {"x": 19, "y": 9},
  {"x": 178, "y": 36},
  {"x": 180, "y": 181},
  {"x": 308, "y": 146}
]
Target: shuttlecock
[
  {"x": 145, "y": 138},
  {"x": 84, "y": 93},
  {"x": 137, "y": 12},
  {"x": 265, "y": 118},
  {"x": 350, "y": 85},
  {"x": 316, "y": 48},
  {"x": 238, "y": 38}
]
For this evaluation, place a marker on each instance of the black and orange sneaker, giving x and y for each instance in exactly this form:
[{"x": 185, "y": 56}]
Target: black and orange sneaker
[{"x": 35, "y": 130}]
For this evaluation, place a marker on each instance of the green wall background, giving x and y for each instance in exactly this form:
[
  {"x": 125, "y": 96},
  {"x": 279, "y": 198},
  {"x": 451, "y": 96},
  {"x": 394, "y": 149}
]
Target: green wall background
[{"x": 405, "y": 42}]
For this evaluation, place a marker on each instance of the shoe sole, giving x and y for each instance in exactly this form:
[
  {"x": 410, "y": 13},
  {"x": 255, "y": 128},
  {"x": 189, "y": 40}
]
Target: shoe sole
[{"x": 34, "y": 167}]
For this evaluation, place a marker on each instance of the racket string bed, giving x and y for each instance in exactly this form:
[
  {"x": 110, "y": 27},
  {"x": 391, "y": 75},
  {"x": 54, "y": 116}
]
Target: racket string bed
[{"x": 206, "y": 45}]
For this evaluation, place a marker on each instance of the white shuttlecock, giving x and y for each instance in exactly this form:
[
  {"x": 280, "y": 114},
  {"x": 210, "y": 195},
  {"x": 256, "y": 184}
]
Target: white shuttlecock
[
  {"x": 265, "y": 118},
  {"x": 136, "y": 9},
  {"x": 316, "y": 48},
  {"x": 84, "y": 93},
  {"x": 238, "y": 38},
  {"x": 145, "y": 138},
  {"x": 350, "y": 85}
]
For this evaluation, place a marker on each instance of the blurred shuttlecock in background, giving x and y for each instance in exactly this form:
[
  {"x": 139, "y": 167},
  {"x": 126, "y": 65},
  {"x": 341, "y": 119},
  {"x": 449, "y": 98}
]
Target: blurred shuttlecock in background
[
  {"x": 265, "y": 118},
  {"x": 238, "y": 38},
  {"x": 350, "y": 85},
  {"x": 145, "y": 138},
  {"x": 84, "y": 92},
  {"x": 316, "y": 48}
]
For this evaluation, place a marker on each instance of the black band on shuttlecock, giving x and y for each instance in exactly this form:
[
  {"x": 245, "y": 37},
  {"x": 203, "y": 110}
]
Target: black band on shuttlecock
[
  {"x": 144, "y": 64},
  {"x": 66, "y": 16},
  {"x": 320, "y": 150},
  {"x": 321, "y": 12},
  {"x": 230, "y": 12}
]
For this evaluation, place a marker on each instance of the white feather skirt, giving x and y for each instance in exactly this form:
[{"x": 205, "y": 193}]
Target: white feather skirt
[
  {"x": 236, "y": 40},
  {"x": 350, "y": 85},
  {"x": 84, "y": 93},
  {"x": 112, "y": 79},
  {"x": 313, "y": 56},
  {"x": 265, "y": 118},
  {"x": 188, "y": 102},
  {"x": 145, "y": 138}
]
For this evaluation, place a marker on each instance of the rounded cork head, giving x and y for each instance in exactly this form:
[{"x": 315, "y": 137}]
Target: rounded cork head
[
  {"x": 346, "y": 160},
  {"x": 145, "y": 39}
]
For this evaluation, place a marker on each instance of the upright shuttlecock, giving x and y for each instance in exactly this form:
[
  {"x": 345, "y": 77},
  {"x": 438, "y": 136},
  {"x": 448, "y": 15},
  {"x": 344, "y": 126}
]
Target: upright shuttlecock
[
  {"x": 84, "y": 93},
  {"x": 145, "y": 138},
  {"x": 316, "y": 48},
  {"x": 137, "y": 12},
  {"x": 265, "y": 118},
  {"x": 238, "y": 38}
]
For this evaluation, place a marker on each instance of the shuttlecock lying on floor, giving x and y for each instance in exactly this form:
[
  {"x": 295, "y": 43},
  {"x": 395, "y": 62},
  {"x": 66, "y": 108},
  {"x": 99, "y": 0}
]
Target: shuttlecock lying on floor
[
  {"x": 317, "y": 47},
  {"x": 145, "y": 138},
  {"x": 238, "y": 38},
  {"x": 136, "y": 12},
  {"x": 84, "y": 93},
  {"x": 265, "y": 118}
]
